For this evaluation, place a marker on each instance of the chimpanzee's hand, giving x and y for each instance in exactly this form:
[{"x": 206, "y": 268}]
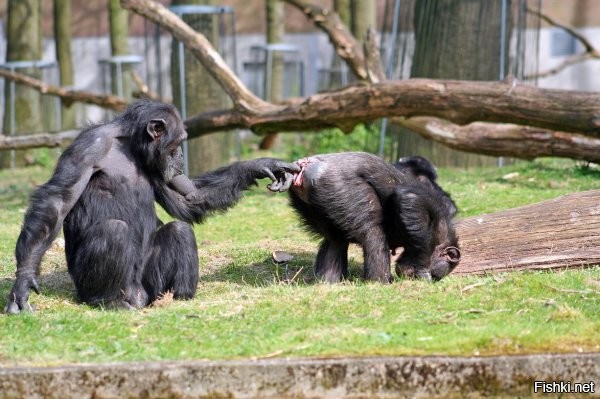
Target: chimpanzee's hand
[
  {"x": 19, "y": 295},
  {"x": 278, "y": 171},
  {"x": 282, "y": 184}
]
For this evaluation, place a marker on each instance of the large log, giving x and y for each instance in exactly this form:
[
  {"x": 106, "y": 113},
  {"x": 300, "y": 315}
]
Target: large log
[
  {"x": 46, "y": 140},
  {"x": 460, "y": 102},
  {"x": 554, "y": 234},
  {"x": 500, "y": 139}
]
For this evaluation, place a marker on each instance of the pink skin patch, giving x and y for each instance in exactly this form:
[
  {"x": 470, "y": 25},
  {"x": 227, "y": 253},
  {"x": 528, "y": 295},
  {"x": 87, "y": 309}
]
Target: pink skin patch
[{"x": 299, "y": 177}]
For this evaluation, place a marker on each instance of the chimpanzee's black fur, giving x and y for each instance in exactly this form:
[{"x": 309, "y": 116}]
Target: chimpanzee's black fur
[
  {"x": 425, "y": 172},
  {"x": 119, "y": 254},
  {"x": 358, "y": 198}
]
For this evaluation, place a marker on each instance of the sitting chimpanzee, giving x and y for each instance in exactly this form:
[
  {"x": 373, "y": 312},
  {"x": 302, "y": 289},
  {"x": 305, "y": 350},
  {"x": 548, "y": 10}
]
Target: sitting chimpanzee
[
  {"x": 357, "y": 198},
  {"x": 119, "y": 254}
]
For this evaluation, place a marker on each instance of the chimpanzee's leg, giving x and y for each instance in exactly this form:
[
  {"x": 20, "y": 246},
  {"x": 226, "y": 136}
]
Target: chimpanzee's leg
[
  {"x": 377, "y": 256},
  {"x": 332, "y": 260},
  {"x": 173, "y": 263},
  {"x": 105, "y": 264}
]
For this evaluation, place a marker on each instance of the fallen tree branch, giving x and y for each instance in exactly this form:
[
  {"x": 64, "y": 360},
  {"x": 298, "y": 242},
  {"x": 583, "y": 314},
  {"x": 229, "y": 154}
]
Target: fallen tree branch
[
  {"x": 507, "y": 140},
  {"x": 554, "y": 234},
  {"x": 48, "y": 140},
  {"x": 460, "y": 102},
  {"x": 68, "y": 96}
]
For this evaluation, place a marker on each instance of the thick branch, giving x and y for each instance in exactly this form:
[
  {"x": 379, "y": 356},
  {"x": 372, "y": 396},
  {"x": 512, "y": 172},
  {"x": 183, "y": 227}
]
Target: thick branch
[
  {"x": 345, "y": 44},
  {"x": 68, "y": 96},
  {"x": 202, "y": 49},
  {"x": 515, "y": 141},
  {"x": 559, "y": 233},
  {"x": 456, "y": 101},
  {"x": 37, "y": 140}
]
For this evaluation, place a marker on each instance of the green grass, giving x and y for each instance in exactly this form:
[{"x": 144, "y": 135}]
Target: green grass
[{"x": 248, "y": 307}]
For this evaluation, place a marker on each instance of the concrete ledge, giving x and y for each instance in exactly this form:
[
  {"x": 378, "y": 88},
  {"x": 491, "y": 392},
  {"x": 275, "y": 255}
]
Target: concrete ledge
[{"x": 377, "y": 377}]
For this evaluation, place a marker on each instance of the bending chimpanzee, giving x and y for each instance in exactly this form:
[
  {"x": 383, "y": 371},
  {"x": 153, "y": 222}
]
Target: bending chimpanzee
[
  {"x": 119, "y": 254},
  {"x": 357, "y": 198}
]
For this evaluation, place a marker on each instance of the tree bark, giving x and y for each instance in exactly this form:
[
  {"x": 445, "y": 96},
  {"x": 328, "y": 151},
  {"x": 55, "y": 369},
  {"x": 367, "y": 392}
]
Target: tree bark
[
  {"x": 275, "y": 31},
  {"x": 62, "y": 33},
  {"x": 363, "y": 18},
  {"x": 24, "y": 43},
  {"x": 119, "y": 45},
  {"x": 454, "y": 39},
  {"x": 559, "y": 233}
]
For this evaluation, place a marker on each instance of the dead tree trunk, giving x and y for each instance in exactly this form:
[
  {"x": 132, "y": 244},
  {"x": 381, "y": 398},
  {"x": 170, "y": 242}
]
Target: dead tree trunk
[{"x": 559, "y": 233}]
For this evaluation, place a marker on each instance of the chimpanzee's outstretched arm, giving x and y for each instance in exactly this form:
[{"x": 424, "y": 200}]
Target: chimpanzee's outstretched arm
[
  {"x": 48, "y": 207},
  {"x": 221, "y": 188}
]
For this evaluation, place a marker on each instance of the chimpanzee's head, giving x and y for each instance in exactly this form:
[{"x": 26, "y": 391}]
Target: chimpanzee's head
[
  {"x": 156, "y": 133},
  {"x": 431, "y": 249},
  {"x": 441, "y": 261}
]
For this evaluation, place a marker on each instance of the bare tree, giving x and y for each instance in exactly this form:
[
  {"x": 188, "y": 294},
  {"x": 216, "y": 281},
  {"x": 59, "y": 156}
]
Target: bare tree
[
  {"x": 22, "y": 111},
  {"x": 275, "y": 31},
  {"x": 62, "y": 34}
]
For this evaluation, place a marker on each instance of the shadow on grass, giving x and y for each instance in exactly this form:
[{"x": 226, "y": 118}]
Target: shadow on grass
[
  {"x": 299, "y": 270},
  {"x": 56, "y": 285}
]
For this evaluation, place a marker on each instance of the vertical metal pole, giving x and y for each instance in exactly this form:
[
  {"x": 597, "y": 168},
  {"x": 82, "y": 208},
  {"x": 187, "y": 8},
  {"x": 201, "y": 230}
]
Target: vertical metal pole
[
  {"x": 147, "y": 50},
  {"x": 183, "y": 99},
  {"x": 502, "y": 40},
  {"x": 12, "y": 119},
  {"x": 119, "y": 79},
  {"x": 159, "y": 62},
  {"x": 502, "y": 55},
  {"x": 238, "y": 134},
  {"x": 268, "y": 72},
  {"x": 58, "y": 102}
]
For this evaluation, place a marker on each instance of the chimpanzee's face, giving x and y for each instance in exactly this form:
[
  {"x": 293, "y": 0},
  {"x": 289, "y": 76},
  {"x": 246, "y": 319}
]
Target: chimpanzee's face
[{"x": 442, "y": 261}]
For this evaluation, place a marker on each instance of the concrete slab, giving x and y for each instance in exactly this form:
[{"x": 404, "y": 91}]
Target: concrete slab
[{"x": 376, "y": 377}]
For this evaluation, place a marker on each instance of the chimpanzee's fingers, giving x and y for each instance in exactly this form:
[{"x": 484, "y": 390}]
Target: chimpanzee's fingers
[
  {"x": 11, "y": 308},
  {"x": 274, "y": 186},
  {"x": 26, "y": 308},
  {"x": 287, "y": 183},
  {"x": 269, "y": 174},
  {"x": 24, "y": 305}
]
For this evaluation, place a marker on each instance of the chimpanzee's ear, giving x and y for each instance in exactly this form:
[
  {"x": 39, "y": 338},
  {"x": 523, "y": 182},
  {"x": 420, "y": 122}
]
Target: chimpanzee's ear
[
  {"x": 156, "y": 128},
  {"x": 452, "y": 254}
]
